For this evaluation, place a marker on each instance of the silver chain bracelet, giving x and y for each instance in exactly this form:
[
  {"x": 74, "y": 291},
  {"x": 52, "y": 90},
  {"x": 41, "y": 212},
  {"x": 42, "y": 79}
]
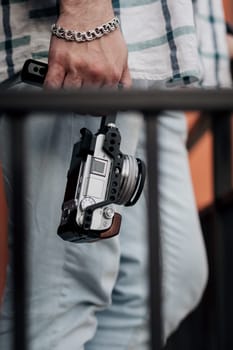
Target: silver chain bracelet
[{"x": 98, "y": 32}]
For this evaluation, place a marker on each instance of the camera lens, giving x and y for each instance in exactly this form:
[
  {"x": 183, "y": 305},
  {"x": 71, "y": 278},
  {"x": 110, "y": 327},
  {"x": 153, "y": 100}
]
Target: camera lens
[
  {"x": 129, "y": 176},
  {"x": 132, "y": 180}
]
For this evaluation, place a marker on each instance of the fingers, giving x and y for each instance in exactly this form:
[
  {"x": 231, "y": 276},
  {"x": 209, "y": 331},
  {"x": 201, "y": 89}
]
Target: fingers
[
  {"x": 126, "y": 80},
  {"x": 55, "y": 76},
  {"x": 94, "y": 76},
  {"x": 86, "y": 70},
  {"x": 71, "y": 81},
  {"x": 90, "y": 78}
]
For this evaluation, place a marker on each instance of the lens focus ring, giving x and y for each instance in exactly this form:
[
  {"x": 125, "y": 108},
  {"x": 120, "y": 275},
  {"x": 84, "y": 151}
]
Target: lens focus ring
[{"x": 129, "y": 177}]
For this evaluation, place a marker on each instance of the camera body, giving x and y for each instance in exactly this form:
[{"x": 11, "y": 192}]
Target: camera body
[
  {"x": 87, "y": 190},
  {"x": 100, "y": 176}
]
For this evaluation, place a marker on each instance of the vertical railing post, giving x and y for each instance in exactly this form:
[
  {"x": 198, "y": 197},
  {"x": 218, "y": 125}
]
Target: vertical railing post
[
  {"x": 17, "y": 155},
  {"x": 155, "y": 256},
  {"x": 222, "y": 161},
  {"x": 221, "y": 126}
]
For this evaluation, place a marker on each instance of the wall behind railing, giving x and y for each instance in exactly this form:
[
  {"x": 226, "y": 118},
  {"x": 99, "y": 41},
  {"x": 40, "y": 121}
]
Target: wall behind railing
[
  {"x": 228, "y": 7},
  {"x": 201, "y": 164}
]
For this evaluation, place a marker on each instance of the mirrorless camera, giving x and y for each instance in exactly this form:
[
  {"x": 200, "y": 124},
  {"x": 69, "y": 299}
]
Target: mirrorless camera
[{"x": 99, "y": 178}]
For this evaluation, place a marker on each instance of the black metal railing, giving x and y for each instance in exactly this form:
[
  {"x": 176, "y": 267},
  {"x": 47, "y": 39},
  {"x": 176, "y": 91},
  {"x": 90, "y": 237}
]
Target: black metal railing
[{"x": 150, "y": 103}]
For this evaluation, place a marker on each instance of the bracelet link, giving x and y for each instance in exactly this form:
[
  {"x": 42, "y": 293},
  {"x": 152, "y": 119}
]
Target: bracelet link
[{"x": 98, "y": 32}]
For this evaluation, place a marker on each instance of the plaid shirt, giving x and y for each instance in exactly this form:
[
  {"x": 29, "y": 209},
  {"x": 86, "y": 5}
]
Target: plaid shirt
[
  {"x": 212, "y": 45},
  {"x": 160, "y": 34}
]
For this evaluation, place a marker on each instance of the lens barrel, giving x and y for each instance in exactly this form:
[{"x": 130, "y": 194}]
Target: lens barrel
[{"x": 132, "y": 180}]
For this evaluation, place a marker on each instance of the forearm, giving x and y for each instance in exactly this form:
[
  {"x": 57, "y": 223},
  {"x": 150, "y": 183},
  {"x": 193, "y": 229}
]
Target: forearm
[{"x": 86, "y": 13}]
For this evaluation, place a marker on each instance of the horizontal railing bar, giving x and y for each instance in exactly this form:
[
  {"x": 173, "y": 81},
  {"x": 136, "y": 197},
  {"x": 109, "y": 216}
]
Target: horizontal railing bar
[{"x": 102, "y": 100}]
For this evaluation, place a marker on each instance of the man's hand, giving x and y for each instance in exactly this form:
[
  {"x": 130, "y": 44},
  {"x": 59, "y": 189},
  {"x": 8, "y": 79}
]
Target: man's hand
[{"x": 101, "y": 62}]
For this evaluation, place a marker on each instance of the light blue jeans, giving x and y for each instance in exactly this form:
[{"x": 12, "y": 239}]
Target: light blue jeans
[{"x": 95, "y": 296}]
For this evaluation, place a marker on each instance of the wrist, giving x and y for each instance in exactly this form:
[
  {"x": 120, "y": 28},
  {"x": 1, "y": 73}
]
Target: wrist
[{"x": 90, "y": 35}]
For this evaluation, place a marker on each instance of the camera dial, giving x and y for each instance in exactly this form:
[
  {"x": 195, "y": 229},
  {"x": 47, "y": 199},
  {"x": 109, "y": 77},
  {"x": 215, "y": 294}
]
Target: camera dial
[{"x": 86, "y": 202}]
